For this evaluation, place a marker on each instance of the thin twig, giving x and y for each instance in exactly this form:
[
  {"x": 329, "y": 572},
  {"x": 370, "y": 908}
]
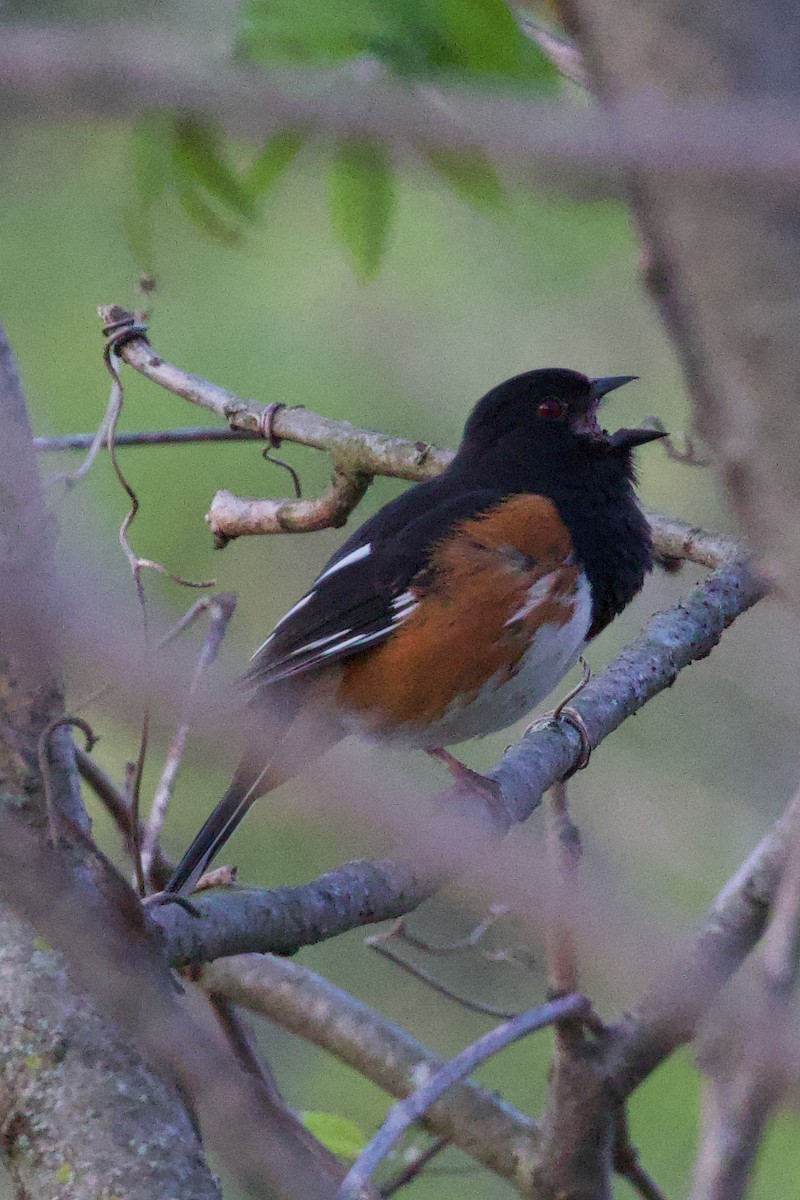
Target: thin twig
[
  {"x": 188, "y": 435},
  {"x": 410, "y": 1110},
  {"x": 626, "y": 1162},
  {"x": 414, "y": 1169},
  {"x": 55, "y": 819},
  {"x": 134, "y": 793},
  {"x": 689, "y": 456},
  {"x": 378, "y": 943},
  {"x": 188, "y": 619},
  {"x": 116, "y": 805},
  {"x": 782, "y": 939},
  {"x": 94, "y": 442},
  {"x": 243, "y": 1046},
  {"x": 367, "y": 452},
  {"x": 748, "y": 1059},
  {"x": 221, "y": 609},
  {"x": 564, "y": 856},
  {"x": 115, "y": 336},
  {"x": 443, "y": 949},
  {"x": 563, "y": 53}
]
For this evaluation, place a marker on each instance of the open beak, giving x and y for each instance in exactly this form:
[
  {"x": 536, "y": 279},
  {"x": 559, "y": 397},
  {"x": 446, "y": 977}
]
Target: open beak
[
  {"x": 601, "y": 387},
  {"x": 587, "y": 423},
  {"x": 623, "y": 439}
]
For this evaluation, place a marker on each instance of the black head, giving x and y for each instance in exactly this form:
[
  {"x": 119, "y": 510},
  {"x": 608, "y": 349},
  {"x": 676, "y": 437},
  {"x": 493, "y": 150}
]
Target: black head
[{"x": 553, "y": 405}]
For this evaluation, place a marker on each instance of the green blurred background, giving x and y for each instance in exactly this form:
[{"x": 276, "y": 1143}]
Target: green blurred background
[{"x": 464, "y": 299}]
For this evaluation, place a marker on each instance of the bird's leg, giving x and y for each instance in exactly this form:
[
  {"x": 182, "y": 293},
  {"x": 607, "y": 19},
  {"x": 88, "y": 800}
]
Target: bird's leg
[{"x": 487, "y": 788}]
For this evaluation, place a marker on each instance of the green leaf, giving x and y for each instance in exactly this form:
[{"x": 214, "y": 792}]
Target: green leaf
[
  {"x": 198, "y": 153},
  {"x": 202, "y": 215},
  {"x": 469, "y": 174},
  {"x": 484, "y": 39},
  {"x": 361, "y": 200},
  {"x": 151, "y": 160},
  {"x": 464, "y": 38},
  {"x": 295, "y": 31},
  {"x": 273, "y": 160},
  {"x": 340, "y": 1135},
  {"x": 151, "y": 143}
]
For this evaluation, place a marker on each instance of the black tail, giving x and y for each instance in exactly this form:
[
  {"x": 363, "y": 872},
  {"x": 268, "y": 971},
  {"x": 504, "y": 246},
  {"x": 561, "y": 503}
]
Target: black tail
[{"x": 248, "y": 784}]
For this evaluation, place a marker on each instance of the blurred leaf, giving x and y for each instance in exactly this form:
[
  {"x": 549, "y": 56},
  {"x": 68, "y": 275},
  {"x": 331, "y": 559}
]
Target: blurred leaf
[
  {"x": 151, "y": 142},
  {"x": 361, "y": 199},
  {"x": 198, "y": 152},
  {"x": 272, "y": 162},
  {"x": 470, "y": 175},
  {"x": 151, "y": 159},
  {"x": 486, "y": 40},
  {"x": 139, "y": 234},
  {"x": 201, "y": 214},
  {"x": 340, "y": 1135},
  {"x": 300, "y": 32},
  {"x": 413, "y": 37}
]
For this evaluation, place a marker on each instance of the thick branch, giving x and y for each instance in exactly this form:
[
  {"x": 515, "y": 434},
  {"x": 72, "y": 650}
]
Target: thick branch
[
  {"x": 479, "y": 1123},
  {"x": 79, "y": 1102},
  {"x": 724, "y": 258},
  {"x": 78, "y": 73}
]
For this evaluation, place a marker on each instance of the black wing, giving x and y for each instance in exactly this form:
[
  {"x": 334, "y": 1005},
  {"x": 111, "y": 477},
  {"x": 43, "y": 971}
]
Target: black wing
[{"x": 364, "y": 593}]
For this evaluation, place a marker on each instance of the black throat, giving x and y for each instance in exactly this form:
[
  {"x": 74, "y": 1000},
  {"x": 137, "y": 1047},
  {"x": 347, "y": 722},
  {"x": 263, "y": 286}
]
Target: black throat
[{"x": 592, "y": 487}]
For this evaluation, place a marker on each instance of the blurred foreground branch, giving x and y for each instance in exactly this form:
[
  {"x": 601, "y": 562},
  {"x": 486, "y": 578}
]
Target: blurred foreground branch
[
  {"x": 79, "y": 73},
  {"x": 77, "y": 1100}
]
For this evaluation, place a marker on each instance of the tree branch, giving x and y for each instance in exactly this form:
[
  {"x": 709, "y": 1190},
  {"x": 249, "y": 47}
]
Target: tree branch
[
  {"x": 84, "y": 73},
  {"x": 472, "y": 1118},
  {"x": 357, "y": 894},
  {"x": 80, "y": 1103},
  {"x": 404, "y": 1114}
]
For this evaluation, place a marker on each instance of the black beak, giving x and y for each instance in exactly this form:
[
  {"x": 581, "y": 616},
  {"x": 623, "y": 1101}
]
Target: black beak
[
  {"x": 601, "y": 387},
  {"x": 629, "y": 439}
]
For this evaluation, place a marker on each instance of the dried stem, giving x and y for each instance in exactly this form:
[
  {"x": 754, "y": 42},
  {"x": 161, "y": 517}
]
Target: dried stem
[
  {"x": 118, "y": 808},
  {"x": 378, "y": 944},
  {"x": 365, "y": 452},
  {"x": 414, "y": 1169},
  {"x": 627, "y": 1165},
  {"x": 564, "y": 856},
  {"x": 221, "y": 609},
  {"x": 58, "y": 821},
  {"x": 187, "y": 620}
]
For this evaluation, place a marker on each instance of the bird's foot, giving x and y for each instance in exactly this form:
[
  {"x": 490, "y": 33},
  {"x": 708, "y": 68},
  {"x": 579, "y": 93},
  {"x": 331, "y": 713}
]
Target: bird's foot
[
  {"x": 563, "y": 712},
  {"x": 219, "y": 877},
  {"x": 160, "y": 899},
  {"x": 487, "y": 788}
]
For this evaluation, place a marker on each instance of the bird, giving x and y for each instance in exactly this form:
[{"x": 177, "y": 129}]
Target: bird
[{"x": 461, "y": 604}]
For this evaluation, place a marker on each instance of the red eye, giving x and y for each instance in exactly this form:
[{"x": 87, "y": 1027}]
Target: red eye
[{"x": 551, "y": 408}]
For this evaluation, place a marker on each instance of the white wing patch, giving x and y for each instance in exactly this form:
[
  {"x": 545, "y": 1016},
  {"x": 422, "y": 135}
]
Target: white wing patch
[
  {"x": 309, "y": 596},
  {"x": 353, "y": 557}
]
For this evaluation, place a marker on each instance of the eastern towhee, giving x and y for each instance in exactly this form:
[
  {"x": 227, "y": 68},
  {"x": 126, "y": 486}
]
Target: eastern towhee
[{"x": 460, "y": 605}]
